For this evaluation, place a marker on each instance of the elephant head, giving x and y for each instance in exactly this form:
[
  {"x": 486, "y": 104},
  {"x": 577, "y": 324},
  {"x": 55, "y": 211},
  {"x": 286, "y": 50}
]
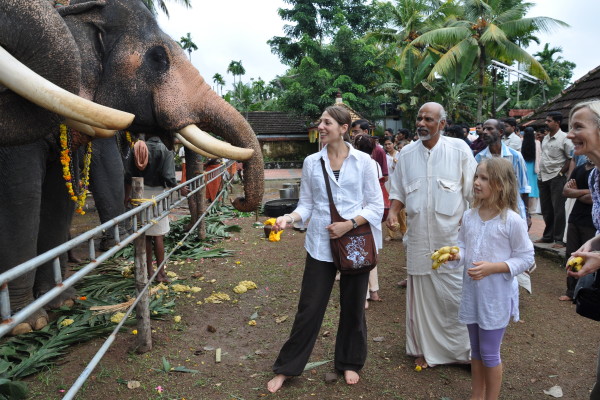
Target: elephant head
[
  {"x": 129, "y": 64},
  {"x": 45, "y": 72}
]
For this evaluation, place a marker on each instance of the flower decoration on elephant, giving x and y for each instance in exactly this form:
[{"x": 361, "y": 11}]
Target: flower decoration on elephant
[{"x": 66, "y": 161}]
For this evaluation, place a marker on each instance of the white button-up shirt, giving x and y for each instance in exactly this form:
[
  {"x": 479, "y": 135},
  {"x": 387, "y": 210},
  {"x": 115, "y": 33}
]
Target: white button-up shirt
[
  {"x": 556, "y": 150},
  {"x": 513, "y": 141},
  {"x": 356, "y": 192},
  {"x": 435, "y": 186}
]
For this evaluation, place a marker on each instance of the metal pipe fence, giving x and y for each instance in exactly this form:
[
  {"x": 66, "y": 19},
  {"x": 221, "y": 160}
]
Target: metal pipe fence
[{"x": 141, "y": 218}]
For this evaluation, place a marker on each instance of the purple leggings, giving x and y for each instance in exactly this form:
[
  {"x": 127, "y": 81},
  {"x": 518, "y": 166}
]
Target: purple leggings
[{"x": 485, "y": 345}]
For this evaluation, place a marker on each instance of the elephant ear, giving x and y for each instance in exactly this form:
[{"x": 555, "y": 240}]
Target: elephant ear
[
  {"x": 77, "y": 8},
  {"x": 35, "y": 34}
]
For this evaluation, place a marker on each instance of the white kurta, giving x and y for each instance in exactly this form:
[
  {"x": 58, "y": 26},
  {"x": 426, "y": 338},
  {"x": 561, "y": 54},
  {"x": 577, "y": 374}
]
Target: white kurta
[
  {"x": 435, "y": 186},
  {"x": 491, "y": 301}
]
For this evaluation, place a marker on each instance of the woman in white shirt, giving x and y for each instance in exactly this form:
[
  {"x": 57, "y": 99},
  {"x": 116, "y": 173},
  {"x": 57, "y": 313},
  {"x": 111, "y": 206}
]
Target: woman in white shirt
[{"x": 357, "y": 197}]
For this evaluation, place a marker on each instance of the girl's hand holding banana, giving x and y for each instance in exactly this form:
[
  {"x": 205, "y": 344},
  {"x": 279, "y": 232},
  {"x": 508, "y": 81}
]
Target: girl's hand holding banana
[{"x": 443, "y": 255}]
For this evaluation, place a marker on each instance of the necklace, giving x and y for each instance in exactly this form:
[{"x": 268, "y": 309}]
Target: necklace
[{"x": 67, "y": 167}]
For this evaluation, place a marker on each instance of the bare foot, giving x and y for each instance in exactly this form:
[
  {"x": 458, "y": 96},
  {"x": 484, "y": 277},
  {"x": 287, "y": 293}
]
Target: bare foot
[
  {"x": 351, "y": 377},
  {"x": 565, "y": 298},
  {"x": 374, "y": 296},
  {"x": 420, "y": 361},
  {"x": 275, "y": 384}
]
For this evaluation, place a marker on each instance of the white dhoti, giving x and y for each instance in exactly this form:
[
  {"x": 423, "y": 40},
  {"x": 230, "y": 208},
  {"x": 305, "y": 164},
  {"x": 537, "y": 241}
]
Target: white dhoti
[
  {"x": 161, "y": 227},
  {"x": 432, "y": 327}
]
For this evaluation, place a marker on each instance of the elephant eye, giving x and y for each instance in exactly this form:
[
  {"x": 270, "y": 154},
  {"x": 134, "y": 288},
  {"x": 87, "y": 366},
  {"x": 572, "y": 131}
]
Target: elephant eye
[{"x": 157, "y": 58}]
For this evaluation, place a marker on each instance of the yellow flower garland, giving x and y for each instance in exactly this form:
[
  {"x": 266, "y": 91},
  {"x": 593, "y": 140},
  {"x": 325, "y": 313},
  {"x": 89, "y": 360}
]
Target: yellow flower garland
[
  {"x": 67, "y": 167},
  {"x": 129, "y": 140}
]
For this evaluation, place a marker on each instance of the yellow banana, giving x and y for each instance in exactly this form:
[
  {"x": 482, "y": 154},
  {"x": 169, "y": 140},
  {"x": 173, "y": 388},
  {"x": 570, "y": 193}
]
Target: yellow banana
[
  {"x": 454, "y": 250},
  {"x": 435, "y": 255},
  {"x": 445, "y": 249},
  {"x": 576, "y": 263},
  {"x": 444, "y": 257},
  {"x": 436, "y": 265}
]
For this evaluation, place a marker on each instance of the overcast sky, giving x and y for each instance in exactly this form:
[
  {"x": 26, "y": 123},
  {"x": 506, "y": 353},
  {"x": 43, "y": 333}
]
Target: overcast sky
[{"x": 229, "y": 30}]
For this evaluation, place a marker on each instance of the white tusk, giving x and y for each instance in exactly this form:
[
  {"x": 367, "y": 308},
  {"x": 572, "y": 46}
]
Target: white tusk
[
  {"x": 26, "y": 83},
  {"x": 204, "y": 141},
  {"x": 80, "y": 127},
  {"x": 89, "y": 130},
  {"x": 194, "y": 148}
]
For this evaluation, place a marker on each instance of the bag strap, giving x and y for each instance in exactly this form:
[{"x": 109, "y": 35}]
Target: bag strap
[{"x": 335, "y": 216}]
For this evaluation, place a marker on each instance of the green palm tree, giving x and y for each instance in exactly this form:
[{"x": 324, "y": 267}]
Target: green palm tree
[
  {"x": 486, "y": 29},
  {"x": 188, "y": 45},
  {"x": 219, "y": 81},
  {"x": 236, "y": 68},
  {"x": 151, "y": 5}
]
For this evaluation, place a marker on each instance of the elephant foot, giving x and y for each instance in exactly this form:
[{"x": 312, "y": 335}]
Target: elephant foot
[
  {"x": 65, "y": 299},
  {"x": 37, "y": 321}
]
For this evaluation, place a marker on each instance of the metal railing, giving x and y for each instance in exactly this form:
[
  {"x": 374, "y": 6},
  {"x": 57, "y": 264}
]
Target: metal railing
[{"x": 141, "y": 219}]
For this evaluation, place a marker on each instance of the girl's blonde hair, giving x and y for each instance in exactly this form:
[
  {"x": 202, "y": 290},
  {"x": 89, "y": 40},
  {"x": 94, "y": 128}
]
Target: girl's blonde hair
[{"x": 503, "y": 185}]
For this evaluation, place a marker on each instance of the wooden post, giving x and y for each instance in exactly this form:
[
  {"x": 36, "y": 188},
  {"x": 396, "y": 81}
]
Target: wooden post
[
  {"x": 202, "y": 207},
  {"x": 142, "y": 310}
]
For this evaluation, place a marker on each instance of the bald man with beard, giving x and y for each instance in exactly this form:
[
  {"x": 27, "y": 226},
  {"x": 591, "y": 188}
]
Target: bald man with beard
[{"x": 433, "y": 181}]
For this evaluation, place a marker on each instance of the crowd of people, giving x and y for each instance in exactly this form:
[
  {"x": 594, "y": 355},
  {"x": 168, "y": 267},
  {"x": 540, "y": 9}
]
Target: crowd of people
[{"x": 446, "y": 186}]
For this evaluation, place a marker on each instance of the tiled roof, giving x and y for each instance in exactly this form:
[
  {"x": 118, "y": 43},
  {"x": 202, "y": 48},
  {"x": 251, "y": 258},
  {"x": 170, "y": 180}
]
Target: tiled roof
[
  {"x": 585, "y": 88},
  {"x": 277, "y": 123}
]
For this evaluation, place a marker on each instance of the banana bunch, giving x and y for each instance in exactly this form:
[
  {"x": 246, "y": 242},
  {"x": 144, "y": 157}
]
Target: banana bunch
[
  {"x": 576, "y": 263},
  {"x": 443, "y": 255}
]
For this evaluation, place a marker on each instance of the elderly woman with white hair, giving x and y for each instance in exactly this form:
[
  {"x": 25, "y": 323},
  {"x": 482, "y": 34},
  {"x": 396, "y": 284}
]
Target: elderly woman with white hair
[{"x": 584, "y": 132}]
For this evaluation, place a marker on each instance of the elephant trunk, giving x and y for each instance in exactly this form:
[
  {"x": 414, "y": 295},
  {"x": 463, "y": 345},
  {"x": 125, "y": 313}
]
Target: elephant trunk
[
  {"x": 220, "y": 118},
  {"x": 185, "y": 98}
]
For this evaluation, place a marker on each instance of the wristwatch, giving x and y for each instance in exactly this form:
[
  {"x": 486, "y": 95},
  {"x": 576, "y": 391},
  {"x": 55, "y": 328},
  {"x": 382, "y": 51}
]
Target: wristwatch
[{"x": 354, "y": 224}]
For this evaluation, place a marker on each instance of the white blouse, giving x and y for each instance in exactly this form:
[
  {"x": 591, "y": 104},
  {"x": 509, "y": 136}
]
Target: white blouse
[
  {"x": 491, "y": 301},
  {"x": 358, "y": 185}
]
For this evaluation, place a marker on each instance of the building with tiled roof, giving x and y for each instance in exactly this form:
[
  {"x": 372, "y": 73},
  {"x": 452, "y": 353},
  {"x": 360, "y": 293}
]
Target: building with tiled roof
[
  {"x": 585, "y": 88},
  {"x": 281, "y": 135}
]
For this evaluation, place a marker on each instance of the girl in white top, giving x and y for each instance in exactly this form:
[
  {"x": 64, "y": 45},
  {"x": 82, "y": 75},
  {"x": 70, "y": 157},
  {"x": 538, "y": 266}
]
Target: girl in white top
[
  {"x": 494, "y": 248},
  {"x": 357, "y": 196}
]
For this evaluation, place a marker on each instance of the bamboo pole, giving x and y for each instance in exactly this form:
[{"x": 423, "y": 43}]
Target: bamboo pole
[{"x": 142, "y": 309}]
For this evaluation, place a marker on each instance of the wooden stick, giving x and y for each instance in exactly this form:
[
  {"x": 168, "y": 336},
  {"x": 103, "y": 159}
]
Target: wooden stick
[{"x": 142, "y": 310}]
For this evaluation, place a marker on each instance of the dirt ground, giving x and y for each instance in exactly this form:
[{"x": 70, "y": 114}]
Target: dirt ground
[{"x": 551, "y": 346}]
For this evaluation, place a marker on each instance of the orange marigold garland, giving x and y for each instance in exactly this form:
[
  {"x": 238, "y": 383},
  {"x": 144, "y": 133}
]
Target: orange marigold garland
[{"x": 67, "y": 168}]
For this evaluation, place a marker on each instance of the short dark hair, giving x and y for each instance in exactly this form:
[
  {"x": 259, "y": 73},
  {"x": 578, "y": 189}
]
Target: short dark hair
[
  {"x": 455, "y": 131},
  {"x": 556, "y": 116},
  {"x": 362, "y": 123},
  {"x": 511, "y": 121},
  {"x": 390, "y": 130},
  {"x": 386, "y": 138}
]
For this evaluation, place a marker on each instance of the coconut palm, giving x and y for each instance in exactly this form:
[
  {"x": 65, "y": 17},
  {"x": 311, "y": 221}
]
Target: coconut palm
[
  {"x": 487, "y": 29},
  {"x": 219, "y": 81},
  {"x": 151, "y": 4},
  {"x": 188, "y": 45},
  {"x": 236, "y": 68}
]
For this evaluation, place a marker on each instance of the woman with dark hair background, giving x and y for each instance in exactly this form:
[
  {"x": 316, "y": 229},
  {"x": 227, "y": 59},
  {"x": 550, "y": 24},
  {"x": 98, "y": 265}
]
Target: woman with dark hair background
[{"x": 531, "y": 151}]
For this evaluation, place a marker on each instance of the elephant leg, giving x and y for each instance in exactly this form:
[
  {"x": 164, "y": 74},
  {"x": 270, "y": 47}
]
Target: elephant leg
[
  {"x": 56, "y": 213},
  {"x": 107, "y": 185},
  {"x": 22, "y": 170}
]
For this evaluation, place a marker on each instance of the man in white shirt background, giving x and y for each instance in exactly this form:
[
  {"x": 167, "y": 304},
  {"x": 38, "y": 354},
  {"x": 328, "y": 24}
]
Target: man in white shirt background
[
  {"x": 511, "y": 138},
  {"x": 554, "y": 164},
  {"x": 433, "y": 180}
]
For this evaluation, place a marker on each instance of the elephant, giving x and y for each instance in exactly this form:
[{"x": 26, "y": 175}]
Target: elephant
[{"x": 114, "y": 53}]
